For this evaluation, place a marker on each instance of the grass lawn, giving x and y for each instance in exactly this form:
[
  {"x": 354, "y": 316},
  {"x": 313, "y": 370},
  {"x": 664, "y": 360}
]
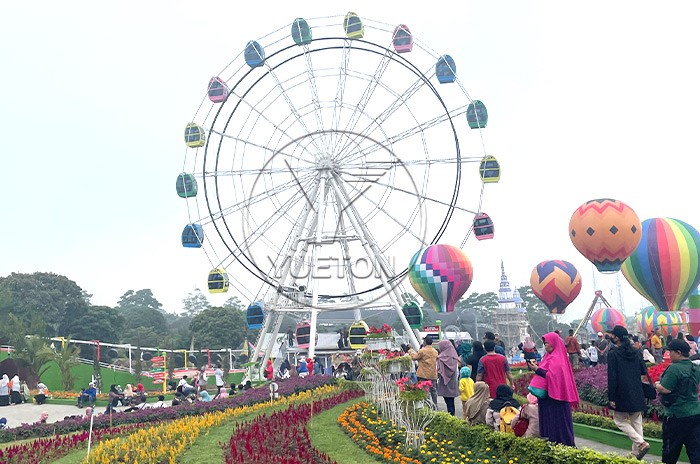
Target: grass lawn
[{"x": 327, "y": 436}]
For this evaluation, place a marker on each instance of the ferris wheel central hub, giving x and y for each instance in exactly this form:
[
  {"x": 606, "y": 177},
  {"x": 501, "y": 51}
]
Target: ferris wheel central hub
[{"x": 326, "y": 164}]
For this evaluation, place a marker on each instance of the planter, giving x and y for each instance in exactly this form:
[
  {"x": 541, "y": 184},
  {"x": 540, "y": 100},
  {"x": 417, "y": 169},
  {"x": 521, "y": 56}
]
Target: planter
[
  {"x": 395, "y": 368},
  {"x": 376, "y": 344},
  {"x": 618, "y": 439}
]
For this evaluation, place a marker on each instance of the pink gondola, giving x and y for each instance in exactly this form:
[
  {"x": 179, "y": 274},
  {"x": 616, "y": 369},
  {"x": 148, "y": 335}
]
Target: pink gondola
[
  {"x": 402, "y": 39},
  {"x": 303, "y": 334},
  {"x": 483, "y": 227},
  {"x": 217, "y": 90}
]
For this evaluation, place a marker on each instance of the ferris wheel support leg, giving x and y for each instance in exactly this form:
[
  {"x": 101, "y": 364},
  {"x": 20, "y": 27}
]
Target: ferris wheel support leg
[
  {"x": 261, "y": 338},
  {"x": 373, "y": 253},
  {"x": 321, "y": 211},
  {"x": 273, "y": 340}
]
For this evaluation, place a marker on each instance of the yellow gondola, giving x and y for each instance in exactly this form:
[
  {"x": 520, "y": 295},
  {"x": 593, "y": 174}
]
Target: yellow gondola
[
  {"x": 489, "y": 170},
  {"x": 194, "y": 135},
  {"x": 354, "y": 29},
  {"x": 356, "y": 335},
  {"x": 218, "y": 281}
]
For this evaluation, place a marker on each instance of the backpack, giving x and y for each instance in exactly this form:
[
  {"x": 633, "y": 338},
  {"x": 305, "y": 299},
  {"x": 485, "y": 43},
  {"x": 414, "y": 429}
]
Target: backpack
[{"x": 507, "y": 414}]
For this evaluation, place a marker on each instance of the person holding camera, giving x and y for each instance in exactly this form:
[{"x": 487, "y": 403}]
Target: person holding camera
[{"x": 678, "y": 387}]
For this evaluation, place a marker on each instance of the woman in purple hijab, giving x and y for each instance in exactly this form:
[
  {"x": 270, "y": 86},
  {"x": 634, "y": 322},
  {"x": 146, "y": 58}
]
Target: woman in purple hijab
[{"x": 448, "y": 374}]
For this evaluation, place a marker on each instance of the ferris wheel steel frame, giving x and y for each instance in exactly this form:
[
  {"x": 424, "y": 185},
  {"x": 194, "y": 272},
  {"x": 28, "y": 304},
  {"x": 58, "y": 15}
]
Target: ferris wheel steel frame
[{"x": 328, "y": 186}]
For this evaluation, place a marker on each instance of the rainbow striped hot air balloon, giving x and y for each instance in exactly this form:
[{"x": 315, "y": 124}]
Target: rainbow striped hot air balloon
[
  {"x": 605, "y": 319},
  {"x": 557, "y": 283},
  {"x": 694, "y": 313},
  {"x": 605, "y": 232},
  {"x": 441, "y": 274},
  {"x": 664, "y": 267},
  {"x": 670, "y": 322}
]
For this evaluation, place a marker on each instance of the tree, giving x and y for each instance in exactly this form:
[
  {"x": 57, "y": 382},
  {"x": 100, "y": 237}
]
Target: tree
[
  {"x": 66, "y": 357},
  {"x": 139, "y": 299},
  {"x": 33, "y": 353},
  {"x": 482, "y": 304},
  {"x": 235, "y": 303},
  {"x": 98, "y": 323},
  {"x": 57, "y": 298},
  {"x": 195, "y": 302},
  {"x": 219, "y": 327}
]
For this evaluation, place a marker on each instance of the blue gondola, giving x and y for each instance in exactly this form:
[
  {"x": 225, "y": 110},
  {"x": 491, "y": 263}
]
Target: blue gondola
[
  {"x": 194, "y": 135},
  {"x": 483, "y": 227},
  {"x": 192, "y": 236},
  {"x": 446, "y": 70},
  {"x": 301, "y": 32},
  {"x": 255, "y": 315},
  {"x": 254, "y": 54},
  {"x": 217, "y": 282},
  {"x": 354, "y": 29},
  {"x": 489, "y": 170},
  {"x": 186, "y": 185},
  {"x": 217, "y": 90},
  {"x": 414, "y": 315},
  {"x": 477, "y": 116},
  {"x": 403, "y": 39}
]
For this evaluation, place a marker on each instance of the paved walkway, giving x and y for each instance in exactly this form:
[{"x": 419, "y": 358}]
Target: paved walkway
[{"x": 19, "y": 414}]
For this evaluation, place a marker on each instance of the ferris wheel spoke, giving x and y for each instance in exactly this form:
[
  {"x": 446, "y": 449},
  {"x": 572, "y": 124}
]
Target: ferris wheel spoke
[
  {"x": 399, "y": 101},
  {"x": 256, "y": 172},
  {"x": 314, "y": 91},
  {"x": 258, "y": 145},
  {"x": 291, "y": 105},
  {"x": 339, "y": 93},
  {"x": 262, "y": 115},
  {"x": 356, "y": 193},
  {"x": 359, "y": 109},
  {"x": 260, "y": 231},
  {"x": 264, "y": 195},
  {"x": 375, "y": 181},
  {"x": 406, "y": 134}
]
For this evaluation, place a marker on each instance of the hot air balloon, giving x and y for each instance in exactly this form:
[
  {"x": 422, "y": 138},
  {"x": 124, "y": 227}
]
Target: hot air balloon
[
  {"x": 694, "y": 313},
  {"x": 605, "y": 319},
  {"x": 557, "y": 283},
  {"x": 605, "y": 232},
  {"x": 664, "y": 267},
  {"x": 441, "y": 274},
  {"x": 670, "y": 322}
]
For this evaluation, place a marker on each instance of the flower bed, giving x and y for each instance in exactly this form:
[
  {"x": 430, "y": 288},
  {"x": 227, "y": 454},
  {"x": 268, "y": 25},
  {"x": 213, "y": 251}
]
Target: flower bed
[
  {"x": 282, "y": 437},
  {"x": 250, "y": 397},
  {"x": 50, "y": 449},
  {"x": 167, "y": 441}
]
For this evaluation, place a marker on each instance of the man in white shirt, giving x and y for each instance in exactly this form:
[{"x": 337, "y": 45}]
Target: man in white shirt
[
  {"x": 593, "y": 355},
  {"x": 219, "y": 376}
]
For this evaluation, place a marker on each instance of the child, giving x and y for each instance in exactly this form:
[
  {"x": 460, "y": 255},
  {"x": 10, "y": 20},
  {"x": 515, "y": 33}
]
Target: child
[
  {"x": 530, "y": 411},
  {"x": 466, "y": 388},
  {"x": 593, "y": 355}
]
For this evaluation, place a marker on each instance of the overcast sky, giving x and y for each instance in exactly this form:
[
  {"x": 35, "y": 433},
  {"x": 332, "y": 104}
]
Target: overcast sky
[{"x": 586, "y": 100}]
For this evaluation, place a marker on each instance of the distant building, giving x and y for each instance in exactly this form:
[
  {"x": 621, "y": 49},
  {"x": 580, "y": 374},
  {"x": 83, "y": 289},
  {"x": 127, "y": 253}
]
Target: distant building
[{"x": 509, "y": 319}]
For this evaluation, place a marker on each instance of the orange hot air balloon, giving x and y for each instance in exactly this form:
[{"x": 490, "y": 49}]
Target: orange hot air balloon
[{"x": 606, "y": 232}]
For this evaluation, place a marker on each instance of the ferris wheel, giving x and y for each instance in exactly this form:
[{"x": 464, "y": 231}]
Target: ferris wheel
[{"x": 321, "y": 158}]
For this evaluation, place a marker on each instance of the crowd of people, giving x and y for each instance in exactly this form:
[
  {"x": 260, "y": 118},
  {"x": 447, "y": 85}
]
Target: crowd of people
[{"x": 483, "y": 382}]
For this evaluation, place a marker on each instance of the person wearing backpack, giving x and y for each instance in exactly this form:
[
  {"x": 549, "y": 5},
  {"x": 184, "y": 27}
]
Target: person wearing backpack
[
  {"x": 527, "y": 422},
  {"x": 502, "y": 409},
  {"x": 679, "y": 395}
]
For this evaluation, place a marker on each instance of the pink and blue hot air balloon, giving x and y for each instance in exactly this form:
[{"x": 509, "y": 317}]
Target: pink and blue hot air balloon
[
  {"x": 441, "y": 274},
  {"x": 664, "y": 266},
  {"x": 604, "y": 319}
]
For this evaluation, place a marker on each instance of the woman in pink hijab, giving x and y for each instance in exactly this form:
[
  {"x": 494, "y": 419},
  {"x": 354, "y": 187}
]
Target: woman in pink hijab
[
  {"x": 553, "y": 384},
  {"x": 448, "y": 374}
]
